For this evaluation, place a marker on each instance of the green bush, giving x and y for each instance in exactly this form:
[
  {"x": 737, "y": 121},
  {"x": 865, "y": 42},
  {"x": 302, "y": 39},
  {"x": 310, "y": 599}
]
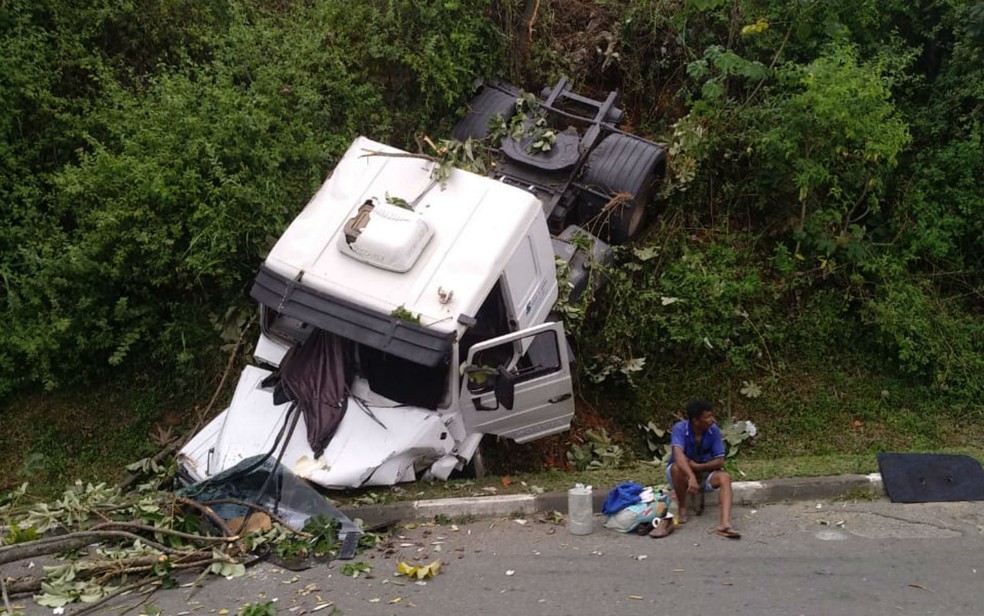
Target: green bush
[
  {"x": 930, "y": 336},
  {"x": 825, "y": 162},
  {"x": 149, "y": 154},
  {"x": 688, "y": 297}
]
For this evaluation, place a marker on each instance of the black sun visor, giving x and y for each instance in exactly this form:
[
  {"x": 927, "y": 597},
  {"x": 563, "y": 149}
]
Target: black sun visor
[{"x": 349, "y": 320}]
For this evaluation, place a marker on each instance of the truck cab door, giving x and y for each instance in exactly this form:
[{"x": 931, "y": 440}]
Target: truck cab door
[{"x": 519, "y": 385}]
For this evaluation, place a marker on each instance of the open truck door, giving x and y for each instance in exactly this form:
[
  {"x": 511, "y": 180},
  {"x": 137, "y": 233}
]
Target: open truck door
[{"x": 519, "y": 385}]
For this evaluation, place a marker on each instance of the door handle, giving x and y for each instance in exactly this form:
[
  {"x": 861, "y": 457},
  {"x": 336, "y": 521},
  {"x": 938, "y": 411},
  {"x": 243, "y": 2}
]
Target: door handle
[{"x": 559, "y": 398}]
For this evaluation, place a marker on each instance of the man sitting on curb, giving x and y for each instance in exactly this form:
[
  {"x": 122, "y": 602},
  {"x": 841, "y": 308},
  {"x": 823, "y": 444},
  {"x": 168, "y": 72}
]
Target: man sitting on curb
[{"x": 698, "y": 449}]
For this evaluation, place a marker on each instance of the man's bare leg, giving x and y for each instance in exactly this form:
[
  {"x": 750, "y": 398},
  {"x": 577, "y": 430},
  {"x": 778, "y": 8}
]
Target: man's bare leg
[
  {"x": 721, "y": 480},
  {"x": 680, "y": 490}
]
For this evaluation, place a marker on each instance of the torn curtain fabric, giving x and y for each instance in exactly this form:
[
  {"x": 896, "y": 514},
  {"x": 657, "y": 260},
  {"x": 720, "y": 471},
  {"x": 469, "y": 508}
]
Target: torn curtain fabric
[{"x": 317, "y": 377}]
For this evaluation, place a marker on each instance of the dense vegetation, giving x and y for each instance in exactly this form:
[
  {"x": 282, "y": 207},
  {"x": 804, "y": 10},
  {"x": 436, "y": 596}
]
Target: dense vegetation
[{"x": 823, "y": 218}]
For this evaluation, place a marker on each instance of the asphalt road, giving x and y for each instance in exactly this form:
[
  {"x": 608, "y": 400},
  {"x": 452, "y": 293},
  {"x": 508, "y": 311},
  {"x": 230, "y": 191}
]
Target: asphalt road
[{"x": 841, "y": 558}]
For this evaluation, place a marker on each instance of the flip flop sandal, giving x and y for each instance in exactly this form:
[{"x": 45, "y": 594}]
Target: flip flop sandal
[{"x": 729, "y": 533}]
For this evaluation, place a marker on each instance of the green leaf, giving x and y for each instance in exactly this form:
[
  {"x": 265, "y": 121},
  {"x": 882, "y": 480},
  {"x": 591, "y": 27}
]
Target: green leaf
[
  {"x": 356, "y": 568},
  {"x": 750, "y": 389},
  {"x": 268, "y": 608},
  {"x": 712, "y": 89}
]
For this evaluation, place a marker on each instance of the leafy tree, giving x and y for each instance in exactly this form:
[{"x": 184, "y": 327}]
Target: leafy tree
[{"x": 149, "y": 152}]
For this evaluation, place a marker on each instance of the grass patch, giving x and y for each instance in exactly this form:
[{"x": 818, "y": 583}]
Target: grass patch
[
  {"x": 756, "y": 469},
  {"x": 837, "y": 405},
  {"x": 813, "y": 419},
  {"x": 50, "y": 440}
]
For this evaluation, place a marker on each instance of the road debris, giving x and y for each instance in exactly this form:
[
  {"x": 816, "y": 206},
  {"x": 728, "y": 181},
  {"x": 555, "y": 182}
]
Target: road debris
[{"x": 417, "y": 571}]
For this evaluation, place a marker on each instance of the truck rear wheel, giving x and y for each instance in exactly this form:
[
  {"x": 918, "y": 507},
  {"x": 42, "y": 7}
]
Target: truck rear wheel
[
  {"x": 490, "y": 102},
  {"x": 621, "y": 165}
]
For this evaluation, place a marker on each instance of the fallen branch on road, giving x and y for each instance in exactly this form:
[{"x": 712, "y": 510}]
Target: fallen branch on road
[{"x": 102, "y": 538}]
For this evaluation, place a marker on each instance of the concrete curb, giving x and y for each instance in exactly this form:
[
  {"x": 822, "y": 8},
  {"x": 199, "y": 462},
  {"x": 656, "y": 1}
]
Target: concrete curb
[{"x": 747, "y": 493}]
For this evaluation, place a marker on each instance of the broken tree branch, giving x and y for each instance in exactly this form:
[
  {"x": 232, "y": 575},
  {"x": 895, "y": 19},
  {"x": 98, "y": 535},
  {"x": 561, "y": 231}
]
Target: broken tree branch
[
  {"x": 428, "y": 157},
  {"x": 163, "y": 531},
  {"x": 119, "y": 591},
  {"x": 203, "y": 415},
  {"x": 19, "y": 586},
  {"x": 532, "y": 22},
  {"x": 206, "y": 511},
  {"x": 132, "y": 478},
  {"x": 6, "y": 599},
  {"x": 109, "y": 569},
  {"x": 73, "y": 541}
]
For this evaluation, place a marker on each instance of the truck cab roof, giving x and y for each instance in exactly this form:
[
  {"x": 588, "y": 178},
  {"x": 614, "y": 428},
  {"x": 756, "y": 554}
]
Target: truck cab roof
[{"x": 452, "y": 244}]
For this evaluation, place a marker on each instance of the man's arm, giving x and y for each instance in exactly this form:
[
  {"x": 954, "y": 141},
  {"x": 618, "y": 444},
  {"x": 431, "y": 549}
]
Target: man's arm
[
  {"x": 682, "y": 462},
  {"x": 715, "y": 442},
  {"x": 700, "y": 467}
]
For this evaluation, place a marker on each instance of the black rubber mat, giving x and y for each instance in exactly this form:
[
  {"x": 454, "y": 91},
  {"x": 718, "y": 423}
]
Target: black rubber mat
[{"x": 931, "y": 477}]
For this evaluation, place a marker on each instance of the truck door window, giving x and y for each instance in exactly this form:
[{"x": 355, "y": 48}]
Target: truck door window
[
  {"x": 492, "y": 321},
  {"x": 541, "y": 358}
]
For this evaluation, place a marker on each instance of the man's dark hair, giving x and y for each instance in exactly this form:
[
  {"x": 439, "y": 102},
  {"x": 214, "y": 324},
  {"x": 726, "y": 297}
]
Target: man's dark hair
[{"x": 696, "y": 408}]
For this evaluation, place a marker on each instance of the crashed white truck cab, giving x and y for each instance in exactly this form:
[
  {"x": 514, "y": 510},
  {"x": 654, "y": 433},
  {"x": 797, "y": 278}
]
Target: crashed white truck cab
[
  {"x": 403, "y": 319},
  {"x": 472, "y": 262}
]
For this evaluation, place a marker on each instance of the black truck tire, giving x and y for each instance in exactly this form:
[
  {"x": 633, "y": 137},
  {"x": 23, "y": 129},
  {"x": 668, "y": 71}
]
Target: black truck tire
[
  {"x": 621, "y": 164},
  {"x": 490, "y": 101}
]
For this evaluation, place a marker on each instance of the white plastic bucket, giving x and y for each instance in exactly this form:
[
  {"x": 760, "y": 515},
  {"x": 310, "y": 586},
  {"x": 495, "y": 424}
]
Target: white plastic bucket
[{"x": 580, "y": 517}]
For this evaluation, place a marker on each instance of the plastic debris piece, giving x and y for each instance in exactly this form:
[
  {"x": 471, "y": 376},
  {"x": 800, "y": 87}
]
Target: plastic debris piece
[{"x": 510, "y": 572}]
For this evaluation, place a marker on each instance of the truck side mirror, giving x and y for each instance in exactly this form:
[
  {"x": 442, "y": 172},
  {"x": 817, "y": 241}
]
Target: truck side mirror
[{"x": 505, "y": 388}]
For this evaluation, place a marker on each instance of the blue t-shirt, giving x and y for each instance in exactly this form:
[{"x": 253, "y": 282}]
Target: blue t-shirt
[{"x": 711, "y": 444}]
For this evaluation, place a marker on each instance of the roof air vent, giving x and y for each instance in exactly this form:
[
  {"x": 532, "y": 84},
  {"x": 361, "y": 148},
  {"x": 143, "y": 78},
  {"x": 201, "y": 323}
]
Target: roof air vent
[{"x": 385, "y": 236}]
